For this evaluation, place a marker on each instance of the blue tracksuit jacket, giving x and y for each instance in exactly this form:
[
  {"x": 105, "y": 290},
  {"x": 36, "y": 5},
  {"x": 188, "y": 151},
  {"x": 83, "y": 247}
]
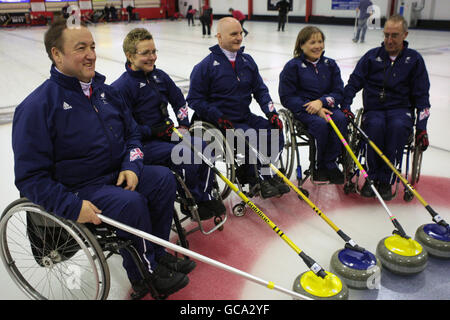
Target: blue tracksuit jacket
[
  {"x": 145, "y": 93},
  {"x": 217, "y": 90},
  {"x": 63, "y": 141},
  {"x": 405, "y": 82},
  {"x": 300, "y": 82}
]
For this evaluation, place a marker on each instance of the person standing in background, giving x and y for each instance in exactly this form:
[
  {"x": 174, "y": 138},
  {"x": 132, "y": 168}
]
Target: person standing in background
[
  {"x": 190, "y": 15},
  {"x": 364, "y": 14},
  {"x": 206, "y": 19},
  {"x": 283, "y": 9},
  {"x": 239, "y": 16}
]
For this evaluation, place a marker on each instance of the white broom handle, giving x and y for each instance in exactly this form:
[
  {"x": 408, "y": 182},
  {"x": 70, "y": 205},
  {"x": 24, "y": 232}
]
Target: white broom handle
[{"x": 192, "y": 254}]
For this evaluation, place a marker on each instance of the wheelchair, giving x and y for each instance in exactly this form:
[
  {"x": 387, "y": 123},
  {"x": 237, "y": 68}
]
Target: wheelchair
[
  {"x": 49, "y": 257},
  {"x": 409, "y": 167},
  {"x": 186, "y": 200},
  {"x": 229, "y": 166},
  {"x": 296, "y": 136}
]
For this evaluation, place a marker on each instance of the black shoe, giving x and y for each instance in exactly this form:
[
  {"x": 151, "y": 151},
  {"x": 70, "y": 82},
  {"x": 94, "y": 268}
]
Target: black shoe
[
  {"x": 243, "y": 176},
  {"x": 278, "y": 183},
  {"x": 163, "y": 280},
  {"x": 385, "y": 191},
  {"x": 140, "y": 289},
  {"x": 267, "y": 189},
  {"x": 208, "y": 209},
  {"x": 335, "y": 176},
  {"x": 167, "y": 281},
  {"x": 320, "y": 175},
  {"x": 367, "y": 191},
  {"x": 176, "y": 264}
]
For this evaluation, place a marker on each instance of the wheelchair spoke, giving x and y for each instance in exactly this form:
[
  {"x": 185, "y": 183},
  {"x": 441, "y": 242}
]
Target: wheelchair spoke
[{"x": 50, "y": 259}]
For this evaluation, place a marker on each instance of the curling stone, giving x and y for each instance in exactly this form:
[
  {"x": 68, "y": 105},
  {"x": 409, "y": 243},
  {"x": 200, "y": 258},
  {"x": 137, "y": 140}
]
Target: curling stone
[
  {"x": 328, "y": 288},
  {"x": 435, "y": 239},
  {"x": 401, "y": 255},
  {"x": 358, "y": 270}
]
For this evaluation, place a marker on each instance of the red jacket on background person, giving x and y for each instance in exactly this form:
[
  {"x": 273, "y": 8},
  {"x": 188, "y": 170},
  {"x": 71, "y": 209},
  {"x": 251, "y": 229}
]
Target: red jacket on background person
[{"x": 238, "y": 15}]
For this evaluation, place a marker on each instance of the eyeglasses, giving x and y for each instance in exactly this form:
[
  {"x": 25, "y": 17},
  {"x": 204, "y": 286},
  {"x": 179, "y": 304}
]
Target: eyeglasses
[
  {"x": 147, "y": 53},
  {"x": 392, "y": 35}
]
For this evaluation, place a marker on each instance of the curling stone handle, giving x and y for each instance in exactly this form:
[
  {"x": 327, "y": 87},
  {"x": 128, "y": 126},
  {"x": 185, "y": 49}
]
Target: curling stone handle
[
  {"x": 312, "y": 265},
  {"x": 354, "y": 247},
  {"x": 399, "y": 229},
  {"x": 436, "y": 217}
]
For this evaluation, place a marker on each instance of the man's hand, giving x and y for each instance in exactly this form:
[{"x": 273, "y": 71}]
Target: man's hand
[
  {"x": 313, "y": 107},
  {"x": 88, "y": 213},
  {"x": 224, "y": 123},
  {"x": 422, "y": 139},
  {"x": 275, "y": 120},
  {"x": 183, "y": 129},
  {"x": 348, "y": 114},
  {"x": 129, "y": 178},
  {"x": 163, "y": 130}
]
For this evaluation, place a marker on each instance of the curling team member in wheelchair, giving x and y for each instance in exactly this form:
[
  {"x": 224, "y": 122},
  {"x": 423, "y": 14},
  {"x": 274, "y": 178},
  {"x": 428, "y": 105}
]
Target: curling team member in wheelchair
[
  {"x": 77, "y": 153},
  {"x": 147, "y": 89},
  {"x": 220, "y": 92},
  {"x": 311, "y": 87},
  {"x": 394, "y": 80}
]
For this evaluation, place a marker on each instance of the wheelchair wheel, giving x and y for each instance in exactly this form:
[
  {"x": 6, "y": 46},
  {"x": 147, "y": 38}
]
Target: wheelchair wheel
[
  {"x": 51, "y": 258},
  {"x": 223, "y": 162},
  {"x": 239, "y": 209},
  {"x": 416, "y": 164},
  {"x": 288, "y": 154},
  {"x": 354, "y": 141}
]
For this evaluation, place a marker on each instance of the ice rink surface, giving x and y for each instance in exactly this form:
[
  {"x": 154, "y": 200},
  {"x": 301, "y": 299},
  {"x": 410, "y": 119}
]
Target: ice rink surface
[{"x": 246, "y": 242}]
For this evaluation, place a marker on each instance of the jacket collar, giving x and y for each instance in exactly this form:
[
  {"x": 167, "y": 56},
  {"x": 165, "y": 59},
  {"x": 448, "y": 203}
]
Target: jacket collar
[
  {"x": 216, "y": 49},
  {"x": 405, "y": 46},
  {"x": 138, "y": 74},
  {"x": 73, "y": 83},
  {"x": 303, "y": 57}
]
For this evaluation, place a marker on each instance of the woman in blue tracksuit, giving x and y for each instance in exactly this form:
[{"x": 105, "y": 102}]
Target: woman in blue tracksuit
[
  {"x": 311, "y": 87},
  {"x": 147, "y": 91},
  {"x": 77, "y": 152}
]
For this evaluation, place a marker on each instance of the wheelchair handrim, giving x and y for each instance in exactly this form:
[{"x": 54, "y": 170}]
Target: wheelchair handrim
[{"x": 13, "y": 269}]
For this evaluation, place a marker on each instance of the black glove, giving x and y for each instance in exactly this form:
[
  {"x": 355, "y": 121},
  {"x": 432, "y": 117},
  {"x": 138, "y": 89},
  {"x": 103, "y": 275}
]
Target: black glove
[
  {"x": 348, "y": 114},
  {"x": 422, "y": 139},
  {"x": 275, "y": 120},
  {"x": 224, "y": 123},
  {"x": 163, "y": 130}
]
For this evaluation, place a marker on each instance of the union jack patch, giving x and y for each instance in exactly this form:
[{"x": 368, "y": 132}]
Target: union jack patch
[
  {"x": 330, "y": 101},
  {"x": 136, "y": 153},
  {"x": 425, "y": 113},
  {"x": 183, "y": 113}
]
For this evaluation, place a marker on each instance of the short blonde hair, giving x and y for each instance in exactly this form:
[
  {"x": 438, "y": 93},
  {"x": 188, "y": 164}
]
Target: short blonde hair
[{"x": 133, "y": 38}]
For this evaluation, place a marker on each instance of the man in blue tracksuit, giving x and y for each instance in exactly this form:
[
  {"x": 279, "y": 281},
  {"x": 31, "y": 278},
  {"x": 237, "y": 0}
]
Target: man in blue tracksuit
[
  {"x": 311, "y": 87},
  {"x": 147, "y": 91},
  {"x": 221, "y": 91},
  {"x": 395, "y": 81},
  {"x": 77, "y": 152}
]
